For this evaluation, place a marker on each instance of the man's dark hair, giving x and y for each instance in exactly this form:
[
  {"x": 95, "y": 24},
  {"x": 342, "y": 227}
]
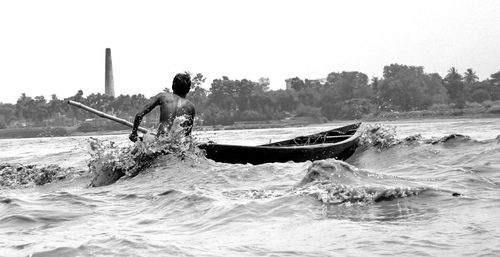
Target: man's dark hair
[{"x": 181, "y": 84}]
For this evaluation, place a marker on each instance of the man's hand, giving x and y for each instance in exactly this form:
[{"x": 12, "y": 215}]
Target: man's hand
[{"x": 133, "y": 136}]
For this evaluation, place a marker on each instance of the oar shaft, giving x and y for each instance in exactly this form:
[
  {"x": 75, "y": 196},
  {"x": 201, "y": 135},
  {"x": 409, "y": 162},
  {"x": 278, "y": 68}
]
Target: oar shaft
[{"x": 106, "y": 116}]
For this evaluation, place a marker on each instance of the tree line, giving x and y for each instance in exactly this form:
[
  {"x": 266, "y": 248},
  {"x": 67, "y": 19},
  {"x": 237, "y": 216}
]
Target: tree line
[{"x": 342, "y": 95}]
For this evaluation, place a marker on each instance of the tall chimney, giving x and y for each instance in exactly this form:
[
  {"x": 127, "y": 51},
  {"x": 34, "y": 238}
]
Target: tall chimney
[{"x": 109, "y": 88}]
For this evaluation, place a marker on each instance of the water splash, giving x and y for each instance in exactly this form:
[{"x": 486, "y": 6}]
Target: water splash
[
  {"x": 253, "y": 194},
  {"x": 263, "y": 194},
  {"x": 109, "y": 161},
  {"x": 452, "y": 138},
  {"x": 16, "y": 175},
  {"x": 385, "y": 136},
  {"x": 329, "y": 193},
  {"x": 378, "y": 135},
  {"x": 336, "y": 182}
]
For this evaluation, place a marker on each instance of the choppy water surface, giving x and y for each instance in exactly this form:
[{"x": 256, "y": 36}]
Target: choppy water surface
[{"x": 415, "y": 195}]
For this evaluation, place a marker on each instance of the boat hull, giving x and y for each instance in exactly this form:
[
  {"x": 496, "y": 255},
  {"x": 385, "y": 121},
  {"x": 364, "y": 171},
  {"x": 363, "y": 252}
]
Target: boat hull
[{"x": 285, "y": 151}]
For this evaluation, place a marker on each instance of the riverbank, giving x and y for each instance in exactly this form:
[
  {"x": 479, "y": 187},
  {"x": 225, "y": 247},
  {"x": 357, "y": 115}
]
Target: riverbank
[
  {"x": 52, "y": 132},
  {"x": 444, "y": 113},
  {"x": 73, "y": 131},
  {"x": 287, "y": 122}
]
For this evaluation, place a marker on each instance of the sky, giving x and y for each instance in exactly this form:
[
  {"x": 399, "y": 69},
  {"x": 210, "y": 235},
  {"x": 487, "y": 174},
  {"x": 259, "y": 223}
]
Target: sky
[{"x": 58, "y": 47}]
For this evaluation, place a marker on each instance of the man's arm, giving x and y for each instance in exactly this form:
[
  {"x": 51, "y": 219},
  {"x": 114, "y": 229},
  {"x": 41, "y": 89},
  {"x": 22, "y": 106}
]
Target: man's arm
[
  {"x": 138, "y": 117},
  {"x": 188, "y": 125},
  {"x": 190, "y": 121}
]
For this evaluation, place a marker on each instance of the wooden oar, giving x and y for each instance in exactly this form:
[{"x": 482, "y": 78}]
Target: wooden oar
[{"x": 107, "y": 116}]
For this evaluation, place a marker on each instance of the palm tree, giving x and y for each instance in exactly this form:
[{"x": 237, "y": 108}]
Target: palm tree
[
  {"x": 455, "y": 87},
  {"x": 470, "y": 77},
  {"x": 453, "y": 75}
]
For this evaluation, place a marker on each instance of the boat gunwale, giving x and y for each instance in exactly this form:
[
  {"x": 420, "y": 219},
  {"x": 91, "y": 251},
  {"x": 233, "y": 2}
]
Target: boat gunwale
[{"x": 353, "y": 137}]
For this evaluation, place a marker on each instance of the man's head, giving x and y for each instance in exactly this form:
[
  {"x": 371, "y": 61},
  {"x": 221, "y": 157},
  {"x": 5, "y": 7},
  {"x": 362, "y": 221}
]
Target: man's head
[{"x": 181, "y": 84}]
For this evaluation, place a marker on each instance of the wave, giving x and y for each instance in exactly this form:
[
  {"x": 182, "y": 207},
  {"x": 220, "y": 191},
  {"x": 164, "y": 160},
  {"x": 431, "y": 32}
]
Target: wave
[
  {"x": 16, "y": 175},
  {"x": 336, "y": 182},
  {"x": 336, "y": 194},
  {"x": 9, "y": 220},
  {"x": 253, "y": 194},
  {"x": 385, "y": 136},
  {"x": 112, "y": 246},
  {"x": 109, "y": 162},
  {"x": 381, "y": 149}
]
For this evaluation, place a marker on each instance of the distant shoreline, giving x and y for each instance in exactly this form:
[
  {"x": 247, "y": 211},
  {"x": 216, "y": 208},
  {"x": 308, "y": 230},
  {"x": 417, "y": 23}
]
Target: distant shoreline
[{"x": 39, "y": 132}]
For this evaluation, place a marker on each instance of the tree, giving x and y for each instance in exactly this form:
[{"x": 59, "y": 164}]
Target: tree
[
  {"x": 264, "y": 106},
  {"x": 296, "y": 83},
  {"x": 309, "y": 97},
  {"x": 495, "y": 86},
  {"x": 214, "y": 115},
  {"x": 233, "y": 100},
  {"x": 78, "y": 97},
  {"x": 76, "y": 112},
  {"x": 263, "y": 85},
  {"x": 455, "y": 87},
  {"x": 3, "y": 123},
  {"x": 198, "y": 95},
  {"x": 331, "y": 105},
  {"x": 408, "y": 88},
  {"x": 374, "y": 84},
  {"x": 349, "y": 84},
  {"x": 495, "y": 79},
  {"x": 41, "y": 111},
  {"x": 23, "y": 105},
  {"x": 198, "y": 80},
  {"x": 7, "y": 114},
  {"x": 285, "y": 100},
  {"x": 480, "y": 95},
  {"x": 105, "y": 103},
  {"x": 122, "y": 105},
  {"x": 244, "y": 91},
  {"x": 223, "y": 95},
  {"x": 32, "y": 110},
  {"x": 355, "y": 108},
  {"x": 470, "y": 77},
  {"x": 55, "y": 105},
  {"x": 470, "y": 80}
]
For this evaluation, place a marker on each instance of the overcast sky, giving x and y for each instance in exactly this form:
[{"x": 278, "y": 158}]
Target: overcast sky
[{"x": 58, "y": 47}]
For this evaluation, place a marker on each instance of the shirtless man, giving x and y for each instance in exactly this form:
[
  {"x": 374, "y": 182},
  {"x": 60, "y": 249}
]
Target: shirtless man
[{"x": 171, "y": 106}]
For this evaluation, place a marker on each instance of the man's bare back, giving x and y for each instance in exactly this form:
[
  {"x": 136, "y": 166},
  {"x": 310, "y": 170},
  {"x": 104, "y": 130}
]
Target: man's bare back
[{"x": 171, "y": 106}]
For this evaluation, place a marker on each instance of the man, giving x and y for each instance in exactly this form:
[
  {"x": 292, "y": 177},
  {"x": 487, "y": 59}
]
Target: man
[{"x": 171, "y": 106}]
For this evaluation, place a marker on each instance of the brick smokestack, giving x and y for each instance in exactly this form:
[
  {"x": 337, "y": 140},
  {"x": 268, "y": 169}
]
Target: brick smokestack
[{"x": 110, "y": 84}]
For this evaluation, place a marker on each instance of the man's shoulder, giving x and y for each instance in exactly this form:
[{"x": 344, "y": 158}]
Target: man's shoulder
[
  {"x": 164, "y": 96},
  {"x": 188, "y": 103}
]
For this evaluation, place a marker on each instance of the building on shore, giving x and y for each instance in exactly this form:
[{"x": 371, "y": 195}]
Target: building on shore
[{"x": 306, "y": 83}]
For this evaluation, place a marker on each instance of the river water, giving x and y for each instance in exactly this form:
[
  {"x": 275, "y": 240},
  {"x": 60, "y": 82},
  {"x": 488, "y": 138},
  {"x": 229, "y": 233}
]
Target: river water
[{"x": 421, "y": 197}]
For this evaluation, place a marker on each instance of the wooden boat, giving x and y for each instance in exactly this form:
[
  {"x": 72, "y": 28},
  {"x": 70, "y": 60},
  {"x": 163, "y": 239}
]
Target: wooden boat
[{"x": 339, "y": 143}]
